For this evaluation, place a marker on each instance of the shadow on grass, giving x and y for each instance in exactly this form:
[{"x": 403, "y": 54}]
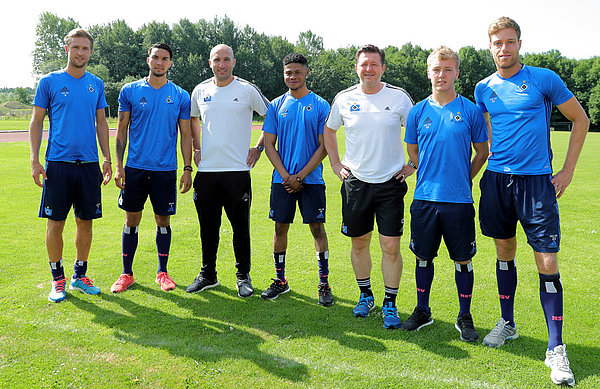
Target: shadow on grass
[{"x": 220, "y": 326}]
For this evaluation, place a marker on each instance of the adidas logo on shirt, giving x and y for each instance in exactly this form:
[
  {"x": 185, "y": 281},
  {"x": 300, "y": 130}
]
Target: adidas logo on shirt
[
  {"x": 143, "y": 101},
  {"x": 493, "y": 97},
  {"x": 64, "y": 91},
  {"x": 427, "y": 123}
]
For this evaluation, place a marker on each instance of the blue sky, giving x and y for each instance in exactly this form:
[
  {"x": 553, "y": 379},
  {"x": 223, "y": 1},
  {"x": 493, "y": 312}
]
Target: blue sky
[{"x": 568, "y": 26}]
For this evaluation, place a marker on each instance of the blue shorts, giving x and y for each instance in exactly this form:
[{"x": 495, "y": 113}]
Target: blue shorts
[
  {"x": 75, "y": 184},
  {"x": 455, "y": 222},
  {"x": 311, "y": 202},
  {"x": 161, "y": 186},
  {"x": 531, "y": 200},
  {"x": 363, "y": 201}
]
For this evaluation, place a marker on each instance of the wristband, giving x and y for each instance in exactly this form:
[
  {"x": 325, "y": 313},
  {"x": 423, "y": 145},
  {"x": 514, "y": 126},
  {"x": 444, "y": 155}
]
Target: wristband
[
  {"x": 260, "y": 148},
  {"x": 411, "y": 164},
  {"x": 188, "y": 168}
]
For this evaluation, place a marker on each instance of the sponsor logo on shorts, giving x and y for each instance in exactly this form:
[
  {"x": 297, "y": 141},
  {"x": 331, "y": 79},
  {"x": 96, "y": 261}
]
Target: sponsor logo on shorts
[
  {"x": 195, "y": 196},
  {"x": 321, "y": 215},
  {"x": 48, "y": 211},
  {"x": 554, "y": 243},
  {"x": 246, "y": 197},
  {"x": 344, "y": 229},
  {"x": 171, "y": 207},
  {"x": 99, "y": 209}
]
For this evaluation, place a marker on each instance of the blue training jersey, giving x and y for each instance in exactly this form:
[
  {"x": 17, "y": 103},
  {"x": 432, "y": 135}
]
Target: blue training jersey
[
  {"x": 71, "y": 104},
  {"x": 297, "y": 124},
  {"x": 153, "y": 124},
  {"x": 519, "y": 109},
  {"x": 444, "y": 135}
]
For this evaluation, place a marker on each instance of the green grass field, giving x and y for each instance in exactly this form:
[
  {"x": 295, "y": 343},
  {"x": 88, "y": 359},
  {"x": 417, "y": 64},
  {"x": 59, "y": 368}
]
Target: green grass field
[{"x": 149, "y": 338}]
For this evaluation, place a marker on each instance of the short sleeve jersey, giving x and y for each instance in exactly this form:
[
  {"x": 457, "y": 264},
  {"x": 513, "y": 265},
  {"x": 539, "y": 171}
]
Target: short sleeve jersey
[
  {"x": 226, "y": 114},
  {"x": 373, "y": 127},
  {"x": 444, "y": 135},
  {"x": 297, "y": 124},
  {"x": 153, "y": 123},
  {"x": 519, "y": 109},
  {"x": 71, "y": 104}
]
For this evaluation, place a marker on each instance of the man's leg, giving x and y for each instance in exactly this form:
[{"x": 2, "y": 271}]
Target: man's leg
[
  {"x": 209, "y": 209},
  {"x": 279, "y": 249},
  {"x": 506, "y": 275},
  {"x": 322, "y": 248},
  {"x": 237, "y": 207},
  {"x": 54, "y": 247},
  {"x": 163, "y": 246},
  {"x": 360, "y": 256},
  {"x": 551, "y": 296}
]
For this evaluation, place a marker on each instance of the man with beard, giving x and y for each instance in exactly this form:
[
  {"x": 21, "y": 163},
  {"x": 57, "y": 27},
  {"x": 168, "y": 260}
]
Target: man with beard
[
  {"x": 150, "y": 111},
  {"x": 74, "y": 100}
]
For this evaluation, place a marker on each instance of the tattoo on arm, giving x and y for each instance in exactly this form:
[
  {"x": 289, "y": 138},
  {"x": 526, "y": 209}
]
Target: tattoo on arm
[
  {"x": 121, "y": 116},
  {"x": 120, "y": 149}
]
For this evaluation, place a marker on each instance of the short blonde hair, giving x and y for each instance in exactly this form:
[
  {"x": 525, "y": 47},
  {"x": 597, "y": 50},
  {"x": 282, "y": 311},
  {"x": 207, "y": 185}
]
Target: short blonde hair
[
  {"x": 502, "y": 23},
  {"x": 79, "y": 33},
  {"x": 443, "y": 53}
]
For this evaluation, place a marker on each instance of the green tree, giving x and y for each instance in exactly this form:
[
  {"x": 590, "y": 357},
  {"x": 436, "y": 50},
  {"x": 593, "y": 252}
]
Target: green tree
[
  {"x": 49, "y": 54},
  {"x": 22, "y": 95}
]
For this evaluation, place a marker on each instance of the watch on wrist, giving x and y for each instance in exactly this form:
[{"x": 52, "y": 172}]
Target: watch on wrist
[
  {"x": 298, "y": 179},
  {"x": 411, "y": 164},
  {"x": 260, "y": 148}
]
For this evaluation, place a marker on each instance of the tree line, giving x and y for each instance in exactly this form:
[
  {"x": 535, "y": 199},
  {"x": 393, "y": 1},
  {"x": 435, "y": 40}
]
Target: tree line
[{"x": 120, "y": 52}]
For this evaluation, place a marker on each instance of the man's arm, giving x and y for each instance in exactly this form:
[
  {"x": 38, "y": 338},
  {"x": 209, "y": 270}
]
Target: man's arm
[
  {"x": 482, "y": 151},
  {"x": 290, "y": 183},
  {"x": 36, "y": 125},
  {"x": 103, "y": 139},
  {"x": 196, "y": 128},
  {"x": 120, "y": 145},
  {"x": 331, "y": 147},
  {"x": 413, "y": 156},
  {"x": 575, "y": 113},
  {"x": 254, "y": 152},
  {"x": 186, "y": 152},
  {"x": 488, "y": 122},
  {"x": 314, "y": 161}
]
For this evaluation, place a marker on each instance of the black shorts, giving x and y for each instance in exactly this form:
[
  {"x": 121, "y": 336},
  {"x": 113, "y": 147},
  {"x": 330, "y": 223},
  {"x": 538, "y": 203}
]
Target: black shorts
[
  {"x": 75, "y": 184},
  {"x": 530, "y": 200},
  {"x": 430, "y": 221},
  {"x": 161, "y": 186},
  {"x": 311, "y": 202},
  {"x": 362, "y": 201}
]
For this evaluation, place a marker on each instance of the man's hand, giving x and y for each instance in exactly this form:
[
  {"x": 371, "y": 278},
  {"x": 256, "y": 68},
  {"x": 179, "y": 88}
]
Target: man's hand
[
  {"x": 120, "y": 177},
  {"x": 292, "y": 184},
  {"x": 106, "y": 172},
  {"x": 36, "y": 170},
  {"x": 561, "y": 180},
  {"x": 341, "y": 171},
  {"x": 197, "y": 157},
  {"x": 185, "y": 184},
  {"x": 404, "y": 173},
  {"x": 253, "y": 156}
]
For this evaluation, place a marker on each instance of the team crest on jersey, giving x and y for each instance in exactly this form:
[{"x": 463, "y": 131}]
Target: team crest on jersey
[
  {"x": 143, "y": 101},
  {"x": 169, "y": 100},
  {"x": 493, "y": 97},
  {"x": 457, "y": 117},
  {"x": 64, "y": 91},
  {"x": 309, "y": 107},
  {"x": 523, "y": 86},
  {"x": 90, "y": 88},
  {"x": 427, "y": 123},
  {"x": 284, "y": 112},
  {"x": 355, "y": 108},
  {"x": 207, "y": 98}
]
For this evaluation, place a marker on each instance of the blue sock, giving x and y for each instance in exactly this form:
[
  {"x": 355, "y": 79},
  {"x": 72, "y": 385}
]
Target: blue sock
[
  {"x": 163, "y": 245},
  {"x": 58, "y": 272},
  {"x": 323, "y": 259},
  {"x": 424, "y": 272},
  {"x": 390, "y": 296},
  {"x": 464, "y": 277},
  {"x": 365, "y": 286},
  {"x": 551, "y": 297},
  {"x": 506, "y": 274},
  {"x": 279, "y": 259},
  {"x": 130, "y": 242},
  {"x": 80, "y": 269}
]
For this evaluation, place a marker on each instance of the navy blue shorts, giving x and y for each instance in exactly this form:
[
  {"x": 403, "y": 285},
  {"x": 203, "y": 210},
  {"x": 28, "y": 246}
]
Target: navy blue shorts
[
  {"x": 72, "y": 184},
  {"x": 530, "y": 200},
  {"x": 362, "y": 202},
  {"x": 311, "y": 202},
  {"x": 430, "y": 221},
  {"x": 161, "y": 186}
]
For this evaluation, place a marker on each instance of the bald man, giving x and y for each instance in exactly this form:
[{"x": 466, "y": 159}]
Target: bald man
[{"x": 222, "y": 152}]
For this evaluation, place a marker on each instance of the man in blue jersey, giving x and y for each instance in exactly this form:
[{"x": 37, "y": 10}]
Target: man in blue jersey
[
  {"x": 439, "y": 133},
  {"x": 150, "y": 110},
  {"x": 295, "y": 123},
  {"x": 373, "y": 172},
  {"x": 74, "y": 101},
  {"x": 518, "y": 184}
]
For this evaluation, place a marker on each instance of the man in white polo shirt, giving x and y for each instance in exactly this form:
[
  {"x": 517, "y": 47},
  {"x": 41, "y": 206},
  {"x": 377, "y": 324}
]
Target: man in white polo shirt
[
  {"x": 221, "y": 150},
  {"x": 373, "y": 172}
]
